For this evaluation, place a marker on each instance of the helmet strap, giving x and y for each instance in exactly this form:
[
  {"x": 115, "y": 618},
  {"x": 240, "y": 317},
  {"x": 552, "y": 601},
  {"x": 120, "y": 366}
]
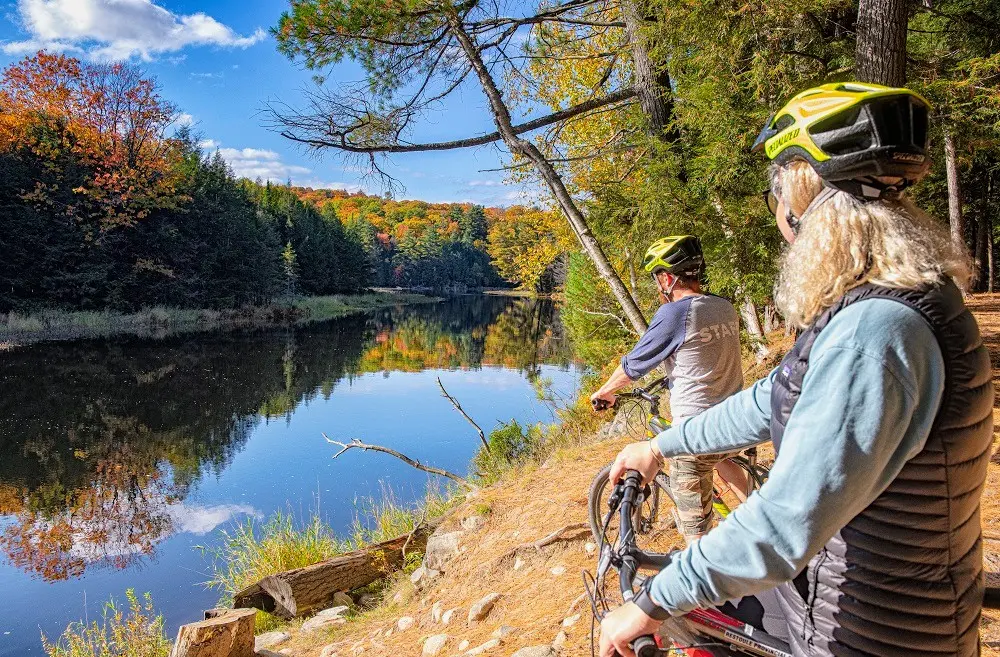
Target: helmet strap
[
  {"x": 795, "y": 223},
  {"x": 870, "y": 189}
]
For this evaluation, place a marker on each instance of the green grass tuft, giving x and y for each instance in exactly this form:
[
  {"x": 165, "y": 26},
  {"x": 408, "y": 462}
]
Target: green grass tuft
[{"x": 135, "y": 633}]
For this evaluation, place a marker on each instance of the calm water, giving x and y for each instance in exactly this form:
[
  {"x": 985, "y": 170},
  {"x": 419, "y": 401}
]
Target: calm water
[{"x": 118, "y": 459}]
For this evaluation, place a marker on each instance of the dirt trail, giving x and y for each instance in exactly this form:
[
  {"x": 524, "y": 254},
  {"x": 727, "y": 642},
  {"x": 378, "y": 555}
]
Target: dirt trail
[{"x": 534, "y": 600}]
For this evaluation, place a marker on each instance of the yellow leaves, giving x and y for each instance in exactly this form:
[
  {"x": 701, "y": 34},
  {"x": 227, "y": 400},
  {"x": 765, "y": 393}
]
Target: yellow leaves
[{"x": 524, "y": 242}]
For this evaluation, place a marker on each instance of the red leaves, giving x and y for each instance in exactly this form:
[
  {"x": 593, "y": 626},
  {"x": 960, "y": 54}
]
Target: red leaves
[{"x": 108, "y": 118}]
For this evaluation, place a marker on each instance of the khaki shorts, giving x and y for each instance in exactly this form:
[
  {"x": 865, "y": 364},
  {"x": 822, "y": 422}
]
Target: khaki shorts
[{"x": 691, "y": 488}]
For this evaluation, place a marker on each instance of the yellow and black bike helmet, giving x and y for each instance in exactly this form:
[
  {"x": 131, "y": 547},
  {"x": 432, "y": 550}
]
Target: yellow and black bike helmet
[
  {"x": 852, "y": 133},
  {"x": 678, "y": 254}
]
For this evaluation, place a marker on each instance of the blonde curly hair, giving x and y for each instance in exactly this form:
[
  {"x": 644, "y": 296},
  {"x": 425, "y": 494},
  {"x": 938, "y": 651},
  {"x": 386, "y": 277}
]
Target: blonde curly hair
[{"x": 844, "y": 243}]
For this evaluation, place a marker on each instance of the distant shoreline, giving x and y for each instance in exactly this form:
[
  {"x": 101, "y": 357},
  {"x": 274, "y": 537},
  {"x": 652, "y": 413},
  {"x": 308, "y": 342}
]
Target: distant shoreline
[{"x": 20, "y": 330}]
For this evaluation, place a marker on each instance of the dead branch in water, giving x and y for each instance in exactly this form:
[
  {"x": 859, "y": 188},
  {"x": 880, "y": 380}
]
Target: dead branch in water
[
  {"x": 357, "y": 444},
  {"x": 458, "y": 407}
]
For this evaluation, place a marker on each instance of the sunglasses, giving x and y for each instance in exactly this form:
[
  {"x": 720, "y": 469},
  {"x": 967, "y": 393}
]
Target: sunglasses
[{"x": 771, "y": 201}]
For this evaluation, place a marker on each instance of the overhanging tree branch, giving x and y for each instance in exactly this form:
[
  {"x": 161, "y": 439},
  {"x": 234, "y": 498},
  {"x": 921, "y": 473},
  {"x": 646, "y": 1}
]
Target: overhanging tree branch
[{"x": 338, "y": 137}]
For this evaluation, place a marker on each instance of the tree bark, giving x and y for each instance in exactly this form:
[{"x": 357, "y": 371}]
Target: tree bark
[
  {"x": 880, "y": 55},
  {"x": 526, "y": 149},
  {"x": 954, "y": 190},
  {"x": 748, "y": 309},
  {"x": 652, "y": 89},
  {"x": 228, "y": 635},
  {"x": 302, "y": 591}
]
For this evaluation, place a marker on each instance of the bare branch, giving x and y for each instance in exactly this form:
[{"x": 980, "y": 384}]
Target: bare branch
[
  {"x": 328, "y": 134},
  {"x": 357, "y": 444},
  {"x": 458, "y": 407}
]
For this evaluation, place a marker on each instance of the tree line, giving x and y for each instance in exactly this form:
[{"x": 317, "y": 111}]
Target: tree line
[
  {"x": 107, "y": 203},
  {"x": 637, "y": 116},
  {"x": 415, "y": 244}
]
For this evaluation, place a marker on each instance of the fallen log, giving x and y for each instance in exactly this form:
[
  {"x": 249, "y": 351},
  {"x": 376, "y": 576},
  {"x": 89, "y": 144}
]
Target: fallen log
[
  {"x": 303, "y": 591},
  {"x": 228, "y": 635}
]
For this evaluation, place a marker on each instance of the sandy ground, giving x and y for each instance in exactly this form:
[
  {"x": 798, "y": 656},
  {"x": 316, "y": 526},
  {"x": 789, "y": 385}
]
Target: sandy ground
[{"x": 546, "y": 587}]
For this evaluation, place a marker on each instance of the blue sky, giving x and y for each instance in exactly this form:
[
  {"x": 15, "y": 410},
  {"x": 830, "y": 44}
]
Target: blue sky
[{"x": 215, "y": 60}]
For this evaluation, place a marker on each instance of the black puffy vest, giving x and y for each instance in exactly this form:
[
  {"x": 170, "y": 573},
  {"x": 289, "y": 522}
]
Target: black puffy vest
[{"x": 905, "y": 576}]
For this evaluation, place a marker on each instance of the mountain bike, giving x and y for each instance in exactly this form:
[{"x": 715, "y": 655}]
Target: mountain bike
[
  {"x": 700, "y": 633},
  {"x": 648, "y": 520}
]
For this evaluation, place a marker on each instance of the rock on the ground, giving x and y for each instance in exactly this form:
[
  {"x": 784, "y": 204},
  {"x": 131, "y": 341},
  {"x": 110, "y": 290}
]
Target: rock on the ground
[
  {"x": 518, "y": 563},
  {"x": 503, "y": 632},
  {"x": 472, "y": 523},
  {"x": 464, "y": 645},
  {"x": 558, "y": 570},
  {"x": 560, "y": 641},
  {"x": 436, "y": 611},
  {"x": 441, "y": 548},
  {"x": 270, "y": 639},
  {"x": 482, "y": 609},
  {"x": 535, "y": 651},
  {"x": 486, "y": 647},
  {"x": 342, "y": 599},
  {"x": 368, "y": 600},
  {"x": 405, "y": 623},
  {"x": 330, "y": 650},
  {"x": 264, "y": 652},
  {"x": 325, "y": 618},
  {"x": 423, "y": 575},
  {"x": 571, "y": 621},
  {"x": 448, "y": 615},
  {"x": 434, "y": 644},
  {"x": 591, "y": 548}
]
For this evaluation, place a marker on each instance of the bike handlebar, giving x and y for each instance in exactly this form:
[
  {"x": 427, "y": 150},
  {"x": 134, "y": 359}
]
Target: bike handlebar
[
  {"x": 643, "y": 646},
  {"x": 636, "y": 393}
]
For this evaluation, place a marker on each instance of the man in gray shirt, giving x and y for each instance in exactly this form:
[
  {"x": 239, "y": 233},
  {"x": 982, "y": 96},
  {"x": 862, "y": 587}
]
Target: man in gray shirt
[{"x": 696, "y": 337}]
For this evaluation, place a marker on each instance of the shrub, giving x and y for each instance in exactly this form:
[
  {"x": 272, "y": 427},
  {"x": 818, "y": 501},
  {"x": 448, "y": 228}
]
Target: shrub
[{"x": 510, "y": 445}]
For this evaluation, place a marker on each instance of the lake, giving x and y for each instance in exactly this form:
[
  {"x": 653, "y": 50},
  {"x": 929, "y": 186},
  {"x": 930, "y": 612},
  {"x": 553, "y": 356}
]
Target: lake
[{"x": 120, "y": 459}]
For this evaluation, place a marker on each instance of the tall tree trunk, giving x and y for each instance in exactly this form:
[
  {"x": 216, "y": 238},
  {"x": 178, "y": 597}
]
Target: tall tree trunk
[
  {"x": 981, "y": 253},
  {"x": 880, "y": 56},
  {"x": 748, "y": 309},
  {"x": 525, "y": 148},
  {"x": 988, "y": 220},
  {"x": 954, "y": 190},
  {"x": 652, "y": 89}
]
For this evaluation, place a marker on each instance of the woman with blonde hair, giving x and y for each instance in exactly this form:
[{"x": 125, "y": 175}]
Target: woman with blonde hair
[{"x": 867, "y": 533}]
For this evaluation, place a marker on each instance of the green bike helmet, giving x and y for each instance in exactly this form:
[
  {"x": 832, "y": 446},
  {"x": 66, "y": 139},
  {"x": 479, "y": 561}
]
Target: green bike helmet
[
  {"x": 852, "y": 134},
  {"x": 678, "y": 254}
]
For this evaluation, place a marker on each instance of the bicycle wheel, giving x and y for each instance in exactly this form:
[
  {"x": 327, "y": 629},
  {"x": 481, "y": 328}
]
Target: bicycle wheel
[{"x": 653, "y": 521}]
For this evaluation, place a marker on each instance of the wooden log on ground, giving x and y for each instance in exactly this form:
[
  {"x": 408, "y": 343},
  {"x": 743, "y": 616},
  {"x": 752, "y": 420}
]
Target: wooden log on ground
[
  {"x": 228, "y": 635},
  {"x": 303, "y": 591}
]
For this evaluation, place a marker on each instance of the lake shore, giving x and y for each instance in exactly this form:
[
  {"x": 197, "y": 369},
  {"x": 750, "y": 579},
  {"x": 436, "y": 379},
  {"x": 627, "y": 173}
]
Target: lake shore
[{"x": 19, "y": 330}]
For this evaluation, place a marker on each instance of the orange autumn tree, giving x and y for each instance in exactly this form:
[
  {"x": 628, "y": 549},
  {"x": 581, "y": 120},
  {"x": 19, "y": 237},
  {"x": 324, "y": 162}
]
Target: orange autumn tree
[{"x": 108, "y": 120}]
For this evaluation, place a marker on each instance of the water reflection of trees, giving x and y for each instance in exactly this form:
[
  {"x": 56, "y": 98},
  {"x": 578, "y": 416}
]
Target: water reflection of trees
[{"x": 100, "y": 443}]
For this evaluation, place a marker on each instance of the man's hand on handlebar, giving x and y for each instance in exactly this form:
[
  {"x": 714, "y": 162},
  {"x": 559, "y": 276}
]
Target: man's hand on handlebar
[
  {"x": 602, "y": 402},
  {"x": 643, "y": 457},
  {"x": 623, "y": 625}
]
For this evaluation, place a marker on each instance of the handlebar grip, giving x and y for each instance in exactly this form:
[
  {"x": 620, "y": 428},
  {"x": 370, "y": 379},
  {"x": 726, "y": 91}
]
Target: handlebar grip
[
  {"x": 645, "y": 646},
  {"x": 600, "y": 404}
]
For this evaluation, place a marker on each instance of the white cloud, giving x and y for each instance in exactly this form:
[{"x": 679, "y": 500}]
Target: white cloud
[
  {"x": 184, "y": 119},
  {"x": 200, "y": 520},
  {"x": 119, "y": 29},
  {"x": 485, "y": 183},
  {"x": 208, "y": 144},
  {"x": 256, "y": 163}
]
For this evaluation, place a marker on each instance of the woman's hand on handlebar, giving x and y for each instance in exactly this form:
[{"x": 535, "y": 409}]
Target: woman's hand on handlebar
[
  {"x": 622, "y": 626},
  {"x": 637, "y": 456},
  {"x": 601, "y": 402}
]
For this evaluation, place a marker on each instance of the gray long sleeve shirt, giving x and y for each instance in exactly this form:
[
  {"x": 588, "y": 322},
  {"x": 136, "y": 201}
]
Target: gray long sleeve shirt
[
  {"x": 698, "y": 339},
  {"x": 869, "y": 399}
]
